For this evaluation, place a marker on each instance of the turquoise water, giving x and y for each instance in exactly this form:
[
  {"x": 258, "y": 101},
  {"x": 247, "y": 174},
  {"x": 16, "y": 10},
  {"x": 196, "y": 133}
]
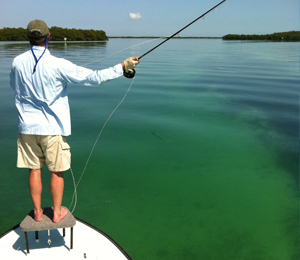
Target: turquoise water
[{"x": 200, "y": 161}]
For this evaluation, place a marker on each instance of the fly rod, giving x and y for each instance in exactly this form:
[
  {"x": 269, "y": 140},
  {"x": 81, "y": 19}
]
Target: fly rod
[{"x": 131, "y": 73}]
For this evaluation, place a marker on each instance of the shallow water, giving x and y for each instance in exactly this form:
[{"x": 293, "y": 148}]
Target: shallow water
[{"x": 200, "y": 161}]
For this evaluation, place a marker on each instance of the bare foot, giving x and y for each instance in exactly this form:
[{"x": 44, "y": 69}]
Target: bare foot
[
  {"x": 38, "y": 215},
  {"x": 59, "y": 216}
]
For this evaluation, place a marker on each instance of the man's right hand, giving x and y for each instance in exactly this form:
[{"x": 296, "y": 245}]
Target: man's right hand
[{"x": 130, "y": 63}]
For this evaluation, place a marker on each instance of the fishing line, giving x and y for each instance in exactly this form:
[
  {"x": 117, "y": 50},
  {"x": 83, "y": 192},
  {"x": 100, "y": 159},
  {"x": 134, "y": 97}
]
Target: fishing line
[
  {"x": 129, "y": 74},
  {"x": 76, "y": 185},
  {"x": 122, "y": 50},
  {"x": 74, "y": 182}
]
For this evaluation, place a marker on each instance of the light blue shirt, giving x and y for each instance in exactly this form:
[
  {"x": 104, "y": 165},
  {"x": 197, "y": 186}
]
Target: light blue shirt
[{"x": 41, "y": 97}]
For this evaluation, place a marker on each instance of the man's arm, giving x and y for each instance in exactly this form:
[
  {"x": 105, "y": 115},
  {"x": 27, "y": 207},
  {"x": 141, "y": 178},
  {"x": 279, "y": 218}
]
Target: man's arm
[{"x": 80, "y": 75}]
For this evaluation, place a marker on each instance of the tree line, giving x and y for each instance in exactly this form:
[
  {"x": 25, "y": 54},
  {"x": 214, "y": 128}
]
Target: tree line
[
  {"x": 57, "y": 34},
  {"x": 292, "y": 36}
]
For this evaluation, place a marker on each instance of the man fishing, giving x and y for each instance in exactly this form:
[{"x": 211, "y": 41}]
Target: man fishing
[{"x": 40, "y": 83}]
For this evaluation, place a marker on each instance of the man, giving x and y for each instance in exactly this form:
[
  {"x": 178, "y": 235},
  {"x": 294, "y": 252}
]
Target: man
[{"x": 40, "y": 83}]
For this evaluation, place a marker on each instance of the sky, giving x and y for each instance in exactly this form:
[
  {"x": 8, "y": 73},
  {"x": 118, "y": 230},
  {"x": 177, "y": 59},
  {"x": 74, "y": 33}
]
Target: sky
[{"x": 156, "y": 17}]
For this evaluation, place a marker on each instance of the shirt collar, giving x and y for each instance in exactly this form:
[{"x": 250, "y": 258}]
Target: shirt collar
[{"x": 39, "y": 48}]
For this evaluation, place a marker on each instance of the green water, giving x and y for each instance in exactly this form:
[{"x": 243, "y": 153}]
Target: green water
[{"x": 200, "y": 161}]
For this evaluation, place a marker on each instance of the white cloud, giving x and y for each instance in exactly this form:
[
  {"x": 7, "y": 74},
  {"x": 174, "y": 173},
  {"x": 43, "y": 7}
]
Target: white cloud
[{"x": 135, "y": 16}]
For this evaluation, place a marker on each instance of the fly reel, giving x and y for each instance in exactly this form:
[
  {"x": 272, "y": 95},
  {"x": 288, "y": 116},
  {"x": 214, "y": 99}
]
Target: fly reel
[{"x": 129, "y": 74}]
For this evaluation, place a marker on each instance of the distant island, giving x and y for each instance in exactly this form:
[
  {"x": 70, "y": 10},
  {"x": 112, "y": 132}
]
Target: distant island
[
  {"x": 292, "y": 36},
  {"x": 56, "y": 34},
  {"x": 64, "y": 34}
]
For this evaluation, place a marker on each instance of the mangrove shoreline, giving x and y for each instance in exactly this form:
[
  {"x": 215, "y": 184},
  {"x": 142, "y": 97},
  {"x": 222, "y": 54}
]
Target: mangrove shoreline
[{"x": 64, "y": 34}]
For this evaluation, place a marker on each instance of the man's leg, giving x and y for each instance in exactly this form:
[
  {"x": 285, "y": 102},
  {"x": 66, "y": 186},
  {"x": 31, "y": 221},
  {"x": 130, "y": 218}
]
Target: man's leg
[
  {"x": 57, "y": 190},
  {"x": 35, "y": 187}
]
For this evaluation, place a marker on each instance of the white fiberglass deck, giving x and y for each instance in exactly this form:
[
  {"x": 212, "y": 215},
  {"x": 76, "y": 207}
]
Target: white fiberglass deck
[{"x": 88, "y": 243}]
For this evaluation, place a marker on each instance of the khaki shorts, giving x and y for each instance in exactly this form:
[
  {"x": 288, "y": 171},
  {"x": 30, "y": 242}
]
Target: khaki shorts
[{"x": 35, "y": 150}]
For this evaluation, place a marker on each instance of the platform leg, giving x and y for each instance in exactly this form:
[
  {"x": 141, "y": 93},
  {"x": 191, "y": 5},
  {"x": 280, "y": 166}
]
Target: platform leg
[
  {"x": 26, "y": 242},
  {"x": 71, "y": 238},
  {"x": 36, "y": 236},
  {"x": 49, "y": 240}
]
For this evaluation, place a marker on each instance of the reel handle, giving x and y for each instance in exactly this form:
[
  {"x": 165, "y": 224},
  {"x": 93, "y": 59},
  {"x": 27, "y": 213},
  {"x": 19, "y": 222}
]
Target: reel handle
[{"x": 130, "y": 74}]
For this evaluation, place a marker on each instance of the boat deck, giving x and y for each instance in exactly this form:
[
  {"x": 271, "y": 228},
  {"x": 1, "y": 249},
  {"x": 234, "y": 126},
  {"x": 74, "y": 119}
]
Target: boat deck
[{"x": 88, "y": 243}]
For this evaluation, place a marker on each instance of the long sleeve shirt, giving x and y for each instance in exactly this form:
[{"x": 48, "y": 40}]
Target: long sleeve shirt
[{"x": 41, "y": 96}]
